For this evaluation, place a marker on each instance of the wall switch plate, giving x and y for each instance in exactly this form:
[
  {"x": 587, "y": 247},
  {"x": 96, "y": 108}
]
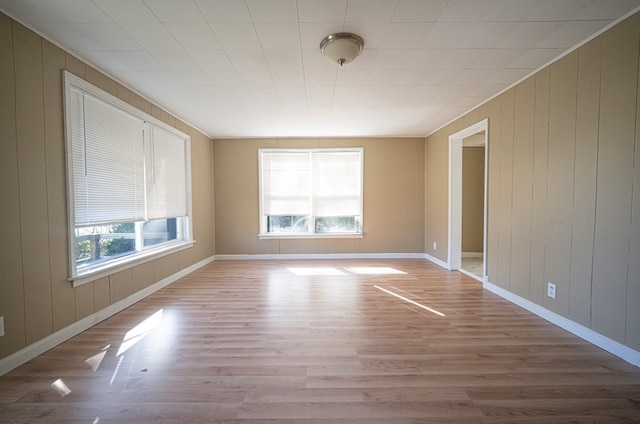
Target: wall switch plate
[
  {"x": 551, "y": 290},
  {"x": 1, "y": 326},
  {"x": 435, "y": 246}
]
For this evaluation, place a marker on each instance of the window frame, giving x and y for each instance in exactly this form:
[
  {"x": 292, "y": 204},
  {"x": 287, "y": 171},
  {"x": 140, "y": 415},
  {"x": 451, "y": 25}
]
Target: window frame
[
  {"x": 263, "y": 234},
  {"x": 145, "y": 254}
]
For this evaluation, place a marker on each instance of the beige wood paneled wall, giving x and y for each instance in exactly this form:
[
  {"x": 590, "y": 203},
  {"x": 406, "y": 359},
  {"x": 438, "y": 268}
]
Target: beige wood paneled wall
[
  {"x": 393, "y": 197},
  {"x": 564, "y": 185},
  {"x": 35, "y": 297}
]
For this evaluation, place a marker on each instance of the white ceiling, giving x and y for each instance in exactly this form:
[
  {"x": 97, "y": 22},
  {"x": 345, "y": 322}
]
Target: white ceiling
[{"x": 252, "y": 68}]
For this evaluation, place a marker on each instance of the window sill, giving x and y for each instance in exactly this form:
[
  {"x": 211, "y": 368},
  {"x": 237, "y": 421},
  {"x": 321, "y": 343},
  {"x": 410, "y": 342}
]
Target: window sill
[
  {"x": 128, "y": 262},
  {"x": 284, "y": 236}
]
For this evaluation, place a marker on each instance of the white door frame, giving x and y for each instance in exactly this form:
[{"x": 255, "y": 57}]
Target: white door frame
[{"x": 455, "y": 193}]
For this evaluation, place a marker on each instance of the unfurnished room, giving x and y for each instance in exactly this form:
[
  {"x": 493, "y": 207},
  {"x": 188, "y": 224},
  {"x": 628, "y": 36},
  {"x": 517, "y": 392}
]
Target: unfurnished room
[{"x": 320, "y": 211}]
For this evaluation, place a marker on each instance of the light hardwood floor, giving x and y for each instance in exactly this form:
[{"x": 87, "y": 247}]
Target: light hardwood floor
[{"x": 391, "y": 342}]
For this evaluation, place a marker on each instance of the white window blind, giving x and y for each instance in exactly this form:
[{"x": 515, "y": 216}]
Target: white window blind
[
  {"x": 336, "y": 188},
  {"x": 108, "y": 162},
  {"x": 286, "y": 179},
  {"x": 166, "y": 175}
]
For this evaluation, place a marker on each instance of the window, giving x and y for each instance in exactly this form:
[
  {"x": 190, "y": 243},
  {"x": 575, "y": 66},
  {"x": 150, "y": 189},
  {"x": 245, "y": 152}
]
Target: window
[
  {"x": 310, "y": 192},
  {"x": 128, "y": 182}
]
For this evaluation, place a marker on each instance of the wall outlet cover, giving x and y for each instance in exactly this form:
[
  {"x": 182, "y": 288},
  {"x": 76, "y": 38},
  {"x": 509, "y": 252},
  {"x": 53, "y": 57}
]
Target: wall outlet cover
[{"x": 551, "y": 290}]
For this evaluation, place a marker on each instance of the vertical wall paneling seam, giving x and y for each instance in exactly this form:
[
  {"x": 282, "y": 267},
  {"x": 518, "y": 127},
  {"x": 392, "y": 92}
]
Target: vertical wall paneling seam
[
  {"x": 546, "y": 164},
  {"x": 533, "y": 185},
  {"x": 546, "y": 186},
  {"x": 46, "y": 182},
  {"x": 634, "y": 190},
  {"x": 499, "y": 189},
  {"x": 637, "y": 134},
  {"x": 532, "y": 173},
  {"x": 15, "y": 106},
  {"x": 595, "y": 189},
  {"x": 425, "y": 242},
  {"x": 547, "y": 180},
  {"x": 573, "y": 184},
  {"x": 213, "y": 200},
  {"x": 516, "y": 146},
  {"x": 424, "y": 200},
  {"x": 592, "y": 211},
  {"x": 510, "y": 125},
  {"x": 633, "y": 165},
  {"x": 514, "y": 134}
]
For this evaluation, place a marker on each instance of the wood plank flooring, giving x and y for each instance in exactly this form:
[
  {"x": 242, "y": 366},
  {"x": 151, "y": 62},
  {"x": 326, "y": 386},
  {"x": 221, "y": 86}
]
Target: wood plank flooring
[{"x": 362, "y": 341}]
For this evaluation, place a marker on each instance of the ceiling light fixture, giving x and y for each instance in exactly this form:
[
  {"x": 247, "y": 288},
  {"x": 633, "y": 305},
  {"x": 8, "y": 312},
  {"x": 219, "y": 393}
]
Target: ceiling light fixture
[{"x": 341, "y": 47}]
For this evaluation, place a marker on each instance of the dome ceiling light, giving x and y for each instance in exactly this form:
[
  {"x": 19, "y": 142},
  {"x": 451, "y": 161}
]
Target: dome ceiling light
[{"x": 342, "y": 47}]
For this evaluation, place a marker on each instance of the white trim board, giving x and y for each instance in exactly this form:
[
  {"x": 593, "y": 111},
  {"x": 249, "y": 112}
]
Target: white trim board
[
  {"x": 611, "y": 346},
  {"x": 456, "y": 144},
  {"x": 469, "y": 274},
  {"x": 33, "y": 350},
  {"x": 440, "y": 263}
]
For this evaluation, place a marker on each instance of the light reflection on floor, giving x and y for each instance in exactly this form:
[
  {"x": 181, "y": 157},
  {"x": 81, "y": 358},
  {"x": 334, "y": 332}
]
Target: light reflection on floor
[
  {"x": 420, "y": 305},
  {"x": 140, "y": 331},
  {"x": 95, "y": 360},
  {"x": 60, "y": 387}
]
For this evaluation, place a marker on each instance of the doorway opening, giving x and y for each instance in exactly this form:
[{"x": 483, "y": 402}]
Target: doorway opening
[{"x": 467, "y": 206}]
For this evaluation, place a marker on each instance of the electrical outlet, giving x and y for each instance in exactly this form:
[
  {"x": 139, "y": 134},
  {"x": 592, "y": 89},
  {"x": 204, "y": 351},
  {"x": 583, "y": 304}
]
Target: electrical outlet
[
  {"x": 435, "y": 246},
  {"x": 1, "y": 326},
  {"x": 551, "y": 290}
]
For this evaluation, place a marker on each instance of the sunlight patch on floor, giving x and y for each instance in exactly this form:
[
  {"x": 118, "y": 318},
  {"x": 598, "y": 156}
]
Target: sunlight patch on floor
[{"x": 139, "y": 332}]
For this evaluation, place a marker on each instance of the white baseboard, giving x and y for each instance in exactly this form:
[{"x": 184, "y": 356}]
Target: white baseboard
[
  {"x": 611, "y": 346},
  {"x": 302, "y": 256},
  {"x": 472, "y": 254},
  {"x": 436, "y": 261},
  {"x": 29, "y": 352},
  {"x": 470, "y": 274}
]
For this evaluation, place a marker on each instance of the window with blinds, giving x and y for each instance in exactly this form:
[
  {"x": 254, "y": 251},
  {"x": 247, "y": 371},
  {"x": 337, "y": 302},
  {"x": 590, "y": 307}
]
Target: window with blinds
[
  {"x": 311, "y": 192},
  {"x": 128, "y": 182}
]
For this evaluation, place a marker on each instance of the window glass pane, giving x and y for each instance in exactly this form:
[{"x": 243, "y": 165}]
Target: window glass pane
[
  {"x": 336, "y": 224},
  {"x": 159, "y": 231},
  {"x": 288, "y": 224},
  {"x": 105, "y": 242}
]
